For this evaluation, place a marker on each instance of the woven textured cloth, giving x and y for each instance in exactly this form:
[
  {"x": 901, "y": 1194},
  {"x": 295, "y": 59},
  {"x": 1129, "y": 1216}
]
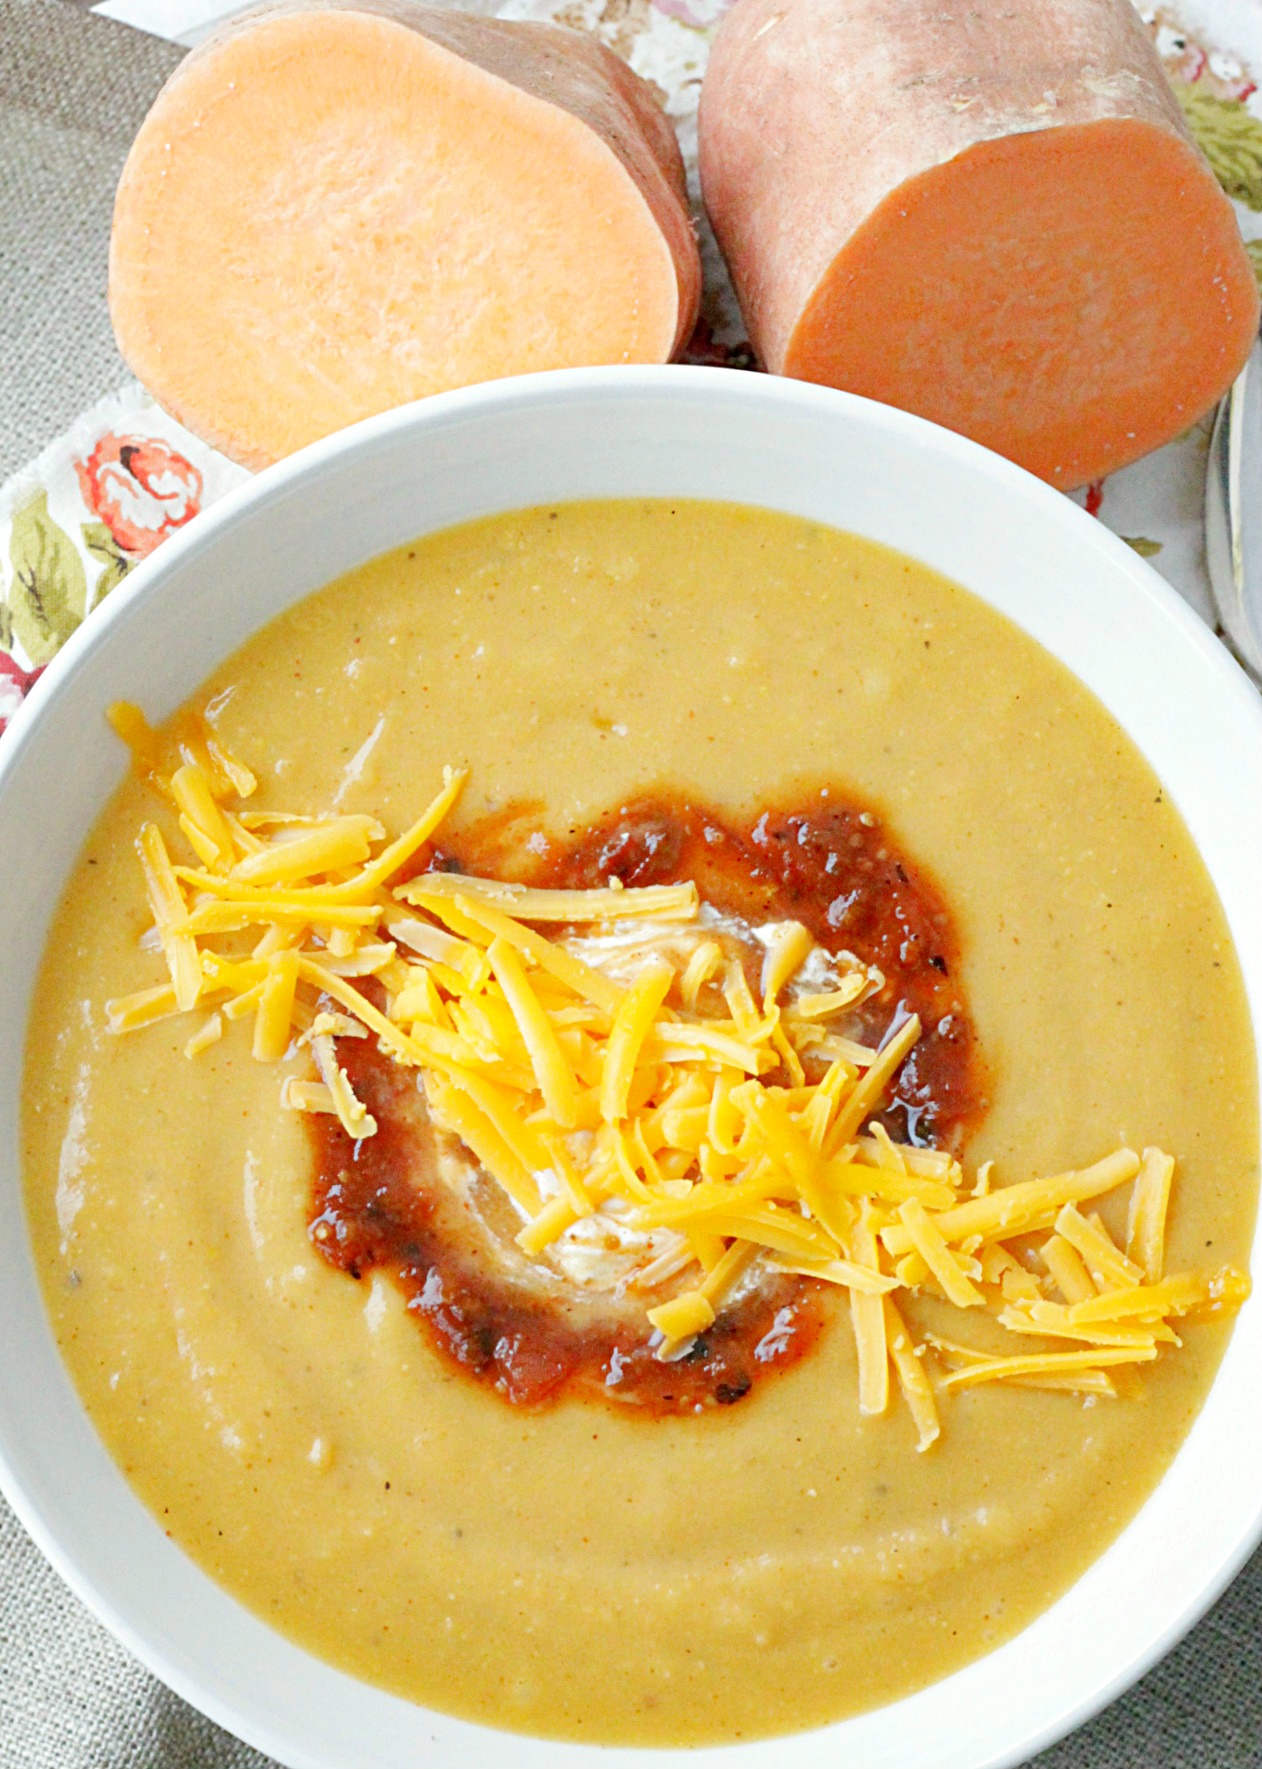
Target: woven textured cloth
[{"x": 72, "y": 91}]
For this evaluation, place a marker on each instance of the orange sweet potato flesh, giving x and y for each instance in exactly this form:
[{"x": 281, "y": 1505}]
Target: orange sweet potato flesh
[
  {"x": 991, "y": 215},
  {"x": 334, "y": 209}
]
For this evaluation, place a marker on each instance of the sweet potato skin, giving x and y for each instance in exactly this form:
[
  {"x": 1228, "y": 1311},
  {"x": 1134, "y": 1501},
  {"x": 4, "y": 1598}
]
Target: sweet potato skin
[
  {"x": 575, "y": 76},
  {"x": 817, "y": 114}
]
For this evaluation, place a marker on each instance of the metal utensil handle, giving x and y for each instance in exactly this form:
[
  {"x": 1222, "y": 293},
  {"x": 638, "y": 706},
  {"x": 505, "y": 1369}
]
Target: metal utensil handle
[{"x": 1233, "y": 511}]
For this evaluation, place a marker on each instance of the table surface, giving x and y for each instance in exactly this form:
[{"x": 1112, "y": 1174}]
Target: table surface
[{"x": 73, "y": 89}]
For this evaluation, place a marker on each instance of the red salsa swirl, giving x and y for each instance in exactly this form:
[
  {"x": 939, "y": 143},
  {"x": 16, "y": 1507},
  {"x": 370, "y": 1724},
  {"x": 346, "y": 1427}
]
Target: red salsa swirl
[{"x": 379, "y": 1204}]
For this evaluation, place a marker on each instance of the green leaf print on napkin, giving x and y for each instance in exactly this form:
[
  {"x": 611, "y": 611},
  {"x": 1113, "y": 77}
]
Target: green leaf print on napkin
[
  {"x": 1230, "y": 137},
  {"x": 47, "y": 593},
  {"x": 101, "y": 544},
  {"x": 1254, "y": 249}
]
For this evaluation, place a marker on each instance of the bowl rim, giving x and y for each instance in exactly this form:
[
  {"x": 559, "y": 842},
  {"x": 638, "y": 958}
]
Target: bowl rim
[{"x": 327, "y": 458}]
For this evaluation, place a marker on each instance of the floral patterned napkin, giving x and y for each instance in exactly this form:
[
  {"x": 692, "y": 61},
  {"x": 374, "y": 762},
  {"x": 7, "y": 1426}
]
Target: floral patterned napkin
[
  {"x": 74, "y": 523},
  {"x": 125, "y": 476}
]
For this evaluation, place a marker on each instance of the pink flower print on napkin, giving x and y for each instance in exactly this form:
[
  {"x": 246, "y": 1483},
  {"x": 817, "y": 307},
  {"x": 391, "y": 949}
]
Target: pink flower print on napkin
[
  {"x": 700, "y": 14},
  {"x": 141, "y": 489},
  {"x": 15, "y": 684}
]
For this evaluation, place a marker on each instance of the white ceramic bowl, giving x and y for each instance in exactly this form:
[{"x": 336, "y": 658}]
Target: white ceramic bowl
[{"x": 697, "y": 433}]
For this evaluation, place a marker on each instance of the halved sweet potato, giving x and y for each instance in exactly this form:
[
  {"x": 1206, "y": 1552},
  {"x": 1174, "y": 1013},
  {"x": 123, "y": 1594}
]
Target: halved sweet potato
[
  {"x": 333, "y": 209},
  {"x": 991, "y": 216}
]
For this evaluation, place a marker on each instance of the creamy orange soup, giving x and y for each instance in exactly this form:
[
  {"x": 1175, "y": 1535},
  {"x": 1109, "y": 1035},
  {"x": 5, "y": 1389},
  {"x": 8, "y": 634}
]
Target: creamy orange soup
[{"x": 575, "y": 1569}]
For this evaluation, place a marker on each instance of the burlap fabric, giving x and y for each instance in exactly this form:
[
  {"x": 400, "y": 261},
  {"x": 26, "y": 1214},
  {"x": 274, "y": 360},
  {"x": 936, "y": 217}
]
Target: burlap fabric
[{"x": 72, "y": 90}]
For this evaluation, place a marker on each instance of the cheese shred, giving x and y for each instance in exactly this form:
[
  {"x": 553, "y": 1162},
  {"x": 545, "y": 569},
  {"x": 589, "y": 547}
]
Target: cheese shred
[{"x": 739, "y": 1136}]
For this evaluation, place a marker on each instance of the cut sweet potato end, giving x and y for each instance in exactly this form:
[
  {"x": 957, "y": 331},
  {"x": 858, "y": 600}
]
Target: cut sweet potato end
[
  {"x": 330, "y": 215},
  {"x": 1071, "y": 297}
]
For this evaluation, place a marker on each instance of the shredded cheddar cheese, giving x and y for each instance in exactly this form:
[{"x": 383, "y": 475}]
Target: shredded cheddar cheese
[{"x": 733, "y": 1130}]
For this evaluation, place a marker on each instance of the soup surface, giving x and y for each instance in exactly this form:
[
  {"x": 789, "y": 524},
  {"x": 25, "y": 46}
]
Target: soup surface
[{"x": 578, "y": 1569}]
